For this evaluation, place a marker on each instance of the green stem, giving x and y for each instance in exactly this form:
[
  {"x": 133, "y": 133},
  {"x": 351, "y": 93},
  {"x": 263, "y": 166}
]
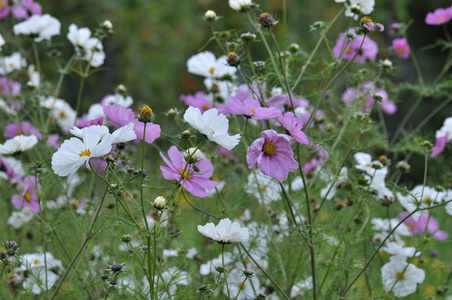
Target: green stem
[{"x": 225, "y": 271}]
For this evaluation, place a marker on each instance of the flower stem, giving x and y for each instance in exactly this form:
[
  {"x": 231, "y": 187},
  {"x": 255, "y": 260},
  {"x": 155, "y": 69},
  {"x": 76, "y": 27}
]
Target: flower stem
[{"x": 224, "y": 271}]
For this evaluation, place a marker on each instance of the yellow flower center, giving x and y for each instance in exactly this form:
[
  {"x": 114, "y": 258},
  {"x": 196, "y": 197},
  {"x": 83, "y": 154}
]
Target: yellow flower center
[
  {"x": 27, "y": 196},
  {"x": 428, "y": 198},
  {"x": 87, "y": 152},
  {"x": 19, "y": 132},
  {"x": 441, "y": 19},
  {"x": 411, "y": 225},
  {"x": 62, "y": 114},
  {"x": 146, "y": 110},
  {"x": 213, "y": 132},
  {"x": 241, "y": 286},
  {"x": 366, "y": 20},
  {"x": 211, "y": 70},
  {"x": 3, "y": 4},
  {"x": 400, "y": 50},
  {"x": 349, "y": 50},
  {"x": 400, "y": 275},
  {"x": 184, "y": 174},
  {"x": 205, "y": 107},
  {"x": 252, "y": 110},
  {"x": 269, "y": 148},
  {"x": 36, "y": 261}
]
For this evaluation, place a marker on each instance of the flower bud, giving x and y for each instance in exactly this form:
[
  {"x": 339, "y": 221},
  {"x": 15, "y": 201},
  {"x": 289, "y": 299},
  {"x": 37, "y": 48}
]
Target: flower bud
[
  {"x": 116, "y": 268},
  {"x": 146, "y": 115},
  {"x": 383, "y": 159},
  {"x": 185, "y": 134},
  {"x": 194, "y": 153},
  {"x": 233, "y": 59},
  {"x": 248, "y": 36},
  {"x": 294, "y": 47},
  {"x": 248, "y": 273},
  {"x": 267, "y": 20},
  {"x": 387, "y": 63},
  {"x": 121, "y": 89},
  {"x": 356, "y": 9},
  {"x": 159, "y": 203},
  {"x": 210, "y": 15},
  {"x": 107, "y": 25},
  {"x": 403, "y": 166},
  {"x": 126, "y": 238}
]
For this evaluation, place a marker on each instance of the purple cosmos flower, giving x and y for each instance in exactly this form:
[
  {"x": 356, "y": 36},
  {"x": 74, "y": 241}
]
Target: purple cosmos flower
[
  {"x": 440, "y": 145},
  {"x": 364, "y": 97},
  {"x": 250, "y": 108},
  {"x": 120, "y": 116},
  {"x": 9, "y": 87},
  {"x": 200, "y": 100},
  {"x": 439, "y": 16},
  {"x": 52, "y": 141},
  {"x": 7, "y": 170},
  {"x": 27, "y": 198},
  {"x": 273, "y": 154},
  {"x": 83, "y": 121},
  {"x": 21, "y": 128},
  {"x": 21, "y": 9},
  {"x": 401, "y": 48},
  {"x": 417, "y": 226},
  {"x": 348, "y": 47},
  {"x": 195, "y": 182},
  {"x": 443, "y": 136},
  {"x": 290, "y": 124}
]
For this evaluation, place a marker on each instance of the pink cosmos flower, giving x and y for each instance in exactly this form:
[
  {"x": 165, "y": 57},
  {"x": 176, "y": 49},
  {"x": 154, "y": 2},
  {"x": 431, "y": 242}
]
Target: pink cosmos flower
[
  {"x": 250, "y": 108},
  {"x": 348, "y": 47},
  {"x": 439, "y": 16},
  {"x": 440, "y": 145},
  {"x": 27, "y": 199},
  {"x": 21, "y": 128},
  {"x": 9, "y": 87},
  {"x": 273, "y": 154},
  {"x": 120, "y": 116},
  {"x": 365, "y": 100},
  {"x": 418, "y": 226},
  {"x": 200, "y": 100},
  {"x": 7, "y": 171},
  {"x": 401, "y": 48},
  {"x": 196, "y": 182},
  {"x": 83, "y": 121},
  {"x": 52, "y": 141},
  {"x": 21, "y": 9},
  {"x": 289, "y": 122},
  {"x": 443, "y": 136}
]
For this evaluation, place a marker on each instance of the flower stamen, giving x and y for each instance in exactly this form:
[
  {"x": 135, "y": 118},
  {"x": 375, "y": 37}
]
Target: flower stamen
[
  {"x": 87, "y": 152},
  {"x": 269, "y": 148}
]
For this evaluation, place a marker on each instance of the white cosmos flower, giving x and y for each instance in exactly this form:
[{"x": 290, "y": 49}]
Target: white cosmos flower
[
  {"x": 120, "y": 135},
  {"x": 18, "y": 218},
  {"x": 225, "y": 232},
  {"x": 301, "y": 287},
  {"x": 205, "y": 64},
  {"x": 366, "y": 7},
  {"x": 41, "y": 27},
  {"x": 210, "y": 266},
  {"x": 400, "y": 250},
  {"x": 78, "y": 36},
  {"x": 407, "y": 276},
  {"x": 2, "y": 42},
  {"x": 235, "y": 283},
  {"x": 74, "y": 152},
  {"x": 92, "y": 47},
  {"x": 212, "y": 124},
  {"x": 61, "y": 111},
  {"x": 19, "y": 143},
  {"x": 11, "y": 63},
  {"x": 95, "y": 54},
  {"x": 36, "y": 282},
  {"x": 240, "y": 4},
  {"x": 263, "y": 187}
]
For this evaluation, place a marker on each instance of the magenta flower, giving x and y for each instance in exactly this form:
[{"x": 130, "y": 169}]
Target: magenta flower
[
  {"x": 348, "y": 47},
  {"x": 440, "y": 145},
  {"x": 52, "y": 141},
  {"x": 21, "y": 128},
  {"x": 295, "y": 130},
  {"x": 196, "y": 182},
  {"x": 273, "y": 154},
  {"x": 199, "y": 100},
  {"x": 21, "y": 9},
  {"x": 120, "y": 116},
  {"x": 424, "y": 220},
  {"x": 250, "y": 108},
  {"x": 7, "y": 170},
  {"x": 27, "y": 199},
  {"x": 83, "y": 121},
  {"x": 439, "y": 16},
  {"x": 401, "y": 48},
  {"x": 9, "y": 87},
  {"x": 364, "y": 98}
]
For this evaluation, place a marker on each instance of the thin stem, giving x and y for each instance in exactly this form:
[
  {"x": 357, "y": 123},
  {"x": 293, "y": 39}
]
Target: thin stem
[
  {"x": 79, "y": 95},
  {"x": 406, "y": 118},
  {"x": 197, "y": 208},
  {"x": 224, "y": 271},
  {"x": 38, "y": 63}
]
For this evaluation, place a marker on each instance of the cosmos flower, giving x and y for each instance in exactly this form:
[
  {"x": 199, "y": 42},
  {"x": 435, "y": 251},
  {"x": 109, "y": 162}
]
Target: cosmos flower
[
  {"x": 301, "y": 287},
  {"x": 12, "y": 63},
  {"x": 74, "y": 152},
  {"x": 21, "y": 128},
  {"x": 39, "y": 27},
  {"x": 443, "y": 136},
  {"x": 347, "y": 47},
  {"x": 200, "y": 100},
  {"x": 27, "y": 199},
  {"x": 240, "y": 5},
  {"x": 19, "y": 143},
  {"x": 213, "y": 125},
  {"x": 196, "y": 182},
  {"x": 439, "y": 16},
  {"x": 92, "y": 47},
  {"x": 401, "y": 277},
  {"x": 273, "y": 154},
  {"x": 61, "y": 111},
  {"x": 226, "y": 232},
  {"x": 247, "y": 289},
  {"x": 401, "y": 48},
  {"x": 205, "y": 64},
  {"x": 364, "y": 97},
  {"x": 424, "y": 223},
  {"x": 20, "y": 9},
  {"x": 9, "y": 87},
  {"x": 250, "y": 108},
  {"x": 365, "y": 7},
  {"x": 290, "y": 123}
]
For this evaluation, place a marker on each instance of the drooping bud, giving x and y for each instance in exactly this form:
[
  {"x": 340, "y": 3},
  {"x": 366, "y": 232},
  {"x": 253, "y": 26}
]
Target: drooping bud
[
  {"x": 234, "y": 59},
  {"x": 266, "y": 20}
]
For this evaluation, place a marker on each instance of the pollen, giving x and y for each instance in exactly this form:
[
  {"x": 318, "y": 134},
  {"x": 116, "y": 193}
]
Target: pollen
[
  {"x": 349, "y": 50},
  {"x": 242, "y": 286},
  {"x": 269, "y": 148},
  {"x": 428, "y": 198},
  {"x": 411, "y": 225},
  {"x": 36, "y": 261},
  {"x": 27, "y": 196},
  {"x": 19, "y": 132},
  {"x": 205, "y": 107},
  {"x": 400, "y": 275},
  {"x": 400, "y": 50},
  {"x": 74, "y": 204},
  {"x": 87, "y": 152},
  {"x": 146, "y": 110},
  {"x": 213, "y": 132},
  {"x": 184, "y": 174},
  {"x": 253, "y": 111},
  {"x": 211, "y": 70},
  {"x": 441, "y": 19},
  {"x": 62, "y": 114},
  {"x": 366, "y": 20},
  {"x": 3, "y": 4}
]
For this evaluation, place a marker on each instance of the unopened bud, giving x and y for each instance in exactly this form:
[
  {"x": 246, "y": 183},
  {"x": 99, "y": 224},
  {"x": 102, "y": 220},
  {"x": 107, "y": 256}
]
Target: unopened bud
[
  {"x": 387, "y": 63},
  {"x": 126, "y": 238},
  {"x": 248, "y": 36},
  {"x": 185, "y": 134},
  {"x": 159, "y": 203},
  {"x": 146, "y": 115},
  {"x": 356, "y": 9},
  {"x": 404, "y": 166},
  {"x": 107, "y": 25},
  {"x": 294, "y": 47},
  {"x": 233, "y": 59},
  {"x": 121, "y": 89},
  {"x": 210, "y": 15},
  {"x": 383, "y": 159},
  {"x": 248, "y": 273},
  {"x": 266, "y": 20},
  {"x": 194, "y": 153}
]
